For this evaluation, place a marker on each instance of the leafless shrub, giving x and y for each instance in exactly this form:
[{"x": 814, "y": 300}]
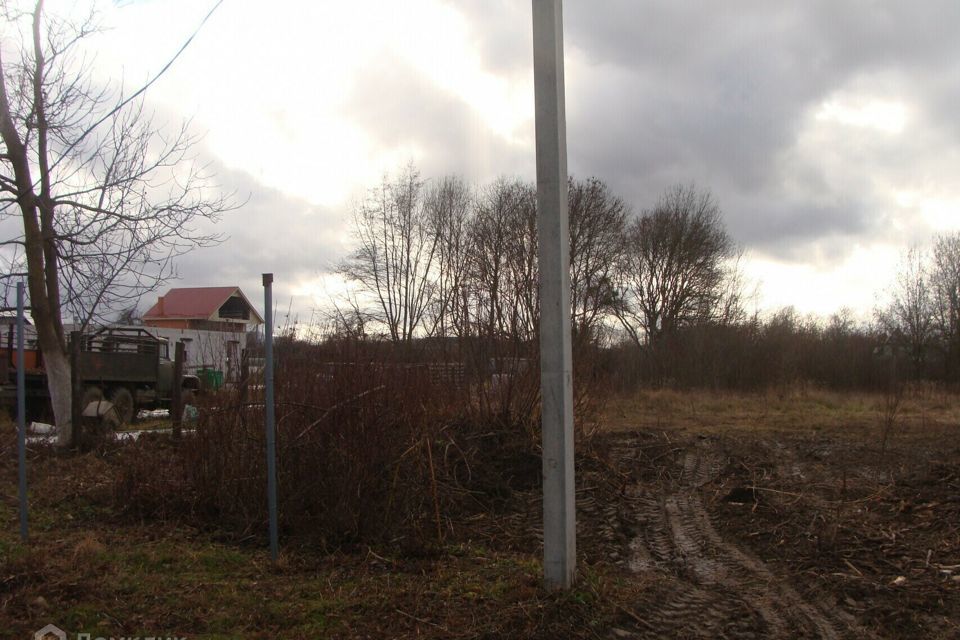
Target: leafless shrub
[
  {"x": 889, "y": 416},
  {"x": 375, "y": 444}
]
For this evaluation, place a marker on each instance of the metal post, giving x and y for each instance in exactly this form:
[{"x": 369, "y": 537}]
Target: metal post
[
  {"x": 556, "y": 370},
  {"x": 270, "y": 417},
  {"x": 21, "y": 416}
]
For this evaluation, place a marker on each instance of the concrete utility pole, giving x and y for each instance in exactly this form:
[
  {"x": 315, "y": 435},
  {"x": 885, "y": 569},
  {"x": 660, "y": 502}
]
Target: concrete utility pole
[{"x": 556, "y": 368}]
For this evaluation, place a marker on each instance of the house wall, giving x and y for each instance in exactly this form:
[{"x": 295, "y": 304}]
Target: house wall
[
  {"x": 192, "y": 323},
  {"x": 207, "y": 349},
  {"x": 168, "y": 324},
  {"x": 213, "y": 325}
]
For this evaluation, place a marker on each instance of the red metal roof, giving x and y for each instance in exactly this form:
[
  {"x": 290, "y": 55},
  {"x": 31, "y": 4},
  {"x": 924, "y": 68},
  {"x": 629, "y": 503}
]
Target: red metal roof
[{"x": 195, "y": 303}]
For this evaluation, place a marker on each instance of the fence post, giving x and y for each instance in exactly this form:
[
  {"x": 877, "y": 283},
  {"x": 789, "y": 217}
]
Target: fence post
[
  {"x": 21, "y": 417},
  {"x": 269, "y": 410},
  {"x": 176, "y": 393},
  {"x": 556, "y": 360}
]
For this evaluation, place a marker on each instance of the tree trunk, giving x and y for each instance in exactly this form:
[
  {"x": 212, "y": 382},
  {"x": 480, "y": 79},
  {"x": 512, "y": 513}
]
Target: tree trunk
[
  {"x": 41, "y": 258},
  {"x": 59, "y": 384}
]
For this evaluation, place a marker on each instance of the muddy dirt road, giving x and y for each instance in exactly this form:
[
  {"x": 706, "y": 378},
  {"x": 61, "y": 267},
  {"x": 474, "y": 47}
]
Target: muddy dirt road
[{"x": 694, "y": 528}]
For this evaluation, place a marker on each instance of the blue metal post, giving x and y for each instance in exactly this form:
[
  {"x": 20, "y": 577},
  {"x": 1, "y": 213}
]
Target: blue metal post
[
  {"x": 21, "y": 416},
  {"x": 270, "y": 416}
]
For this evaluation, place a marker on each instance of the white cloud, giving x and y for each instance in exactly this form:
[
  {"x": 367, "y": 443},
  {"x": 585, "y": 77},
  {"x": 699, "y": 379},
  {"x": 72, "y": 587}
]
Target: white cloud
[
  {"x": 856, "y": 282},
  {"x": 887, "y": 116}
]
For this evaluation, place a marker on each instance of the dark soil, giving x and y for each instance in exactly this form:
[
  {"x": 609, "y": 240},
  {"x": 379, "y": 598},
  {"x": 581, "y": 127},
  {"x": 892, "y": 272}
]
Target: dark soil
[
  {"x": 682, "y": 533},
  {"x": 785, "y": 535}
]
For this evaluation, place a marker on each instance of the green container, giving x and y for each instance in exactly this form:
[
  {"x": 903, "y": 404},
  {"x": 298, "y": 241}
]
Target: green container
[{"x": 211, "y": 378}]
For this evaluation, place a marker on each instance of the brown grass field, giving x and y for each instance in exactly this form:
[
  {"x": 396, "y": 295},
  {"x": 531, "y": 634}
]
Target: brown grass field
[{"x": 797, "y": 514}]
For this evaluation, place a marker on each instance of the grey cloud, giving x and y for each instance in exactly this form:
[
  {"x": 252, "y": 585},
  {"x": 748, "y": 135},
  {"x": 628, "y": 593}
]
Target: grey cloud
[
  {"x": 398, "y": 106},
  {"x": 660, "y": 92},
  {"x": 786, "y": 229},
  {"x": 502, "y": 33}
]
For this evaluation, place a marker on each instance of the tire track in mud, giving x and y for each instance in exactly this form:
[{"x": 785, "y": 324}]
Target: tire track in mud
[{"x": 707, "y": 587}]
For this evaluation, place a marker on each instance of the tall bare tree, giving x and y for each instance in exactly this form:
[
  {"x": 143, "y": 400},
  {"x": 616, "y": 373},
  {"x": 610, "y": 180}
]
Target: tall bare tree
[
  {"x": 449, "y": 203},
  {"x": 674, "y": 265},
  {"x": 945, "y": 282},
  {"x": 597, "y": 222},
  {"x": 909, "y": 315},
  {"x": 503, "y": 276},
  {"x": 106, "y": 201},
  {"x": 395, "y": 258}
]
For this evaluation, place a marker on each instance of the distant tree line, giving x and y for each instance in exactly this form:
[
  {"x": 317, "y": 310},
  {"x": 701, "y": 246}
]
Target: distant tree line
[{"x": 444, "y": 269}]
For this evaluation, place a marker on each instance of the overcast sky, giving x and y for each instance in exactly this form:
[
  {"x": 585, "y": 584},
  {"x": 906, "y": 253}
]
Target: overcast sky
[{"x": 827, "y": 131}]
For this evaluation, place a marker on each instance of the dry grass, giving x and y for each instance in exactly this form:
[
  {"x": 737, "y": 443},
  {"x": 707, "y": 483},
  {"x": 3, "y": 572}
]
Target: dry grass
[
  {"x": 924, "y": 408},
  {"x": 105, "y": 567},
  {"x": 87, "y": 569}
]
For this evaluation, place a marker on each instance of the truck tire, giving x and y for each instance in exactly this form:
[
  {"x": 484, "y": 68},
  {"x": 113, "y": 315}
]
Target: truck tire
[
  {"x": 90, "y": 394},
  {"x": 123, "y": 404}
]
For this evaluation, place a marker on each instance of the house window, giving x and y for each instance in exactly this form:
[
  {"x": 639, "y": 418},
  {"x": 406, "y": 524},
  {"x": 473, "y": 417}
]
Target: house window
[{"x": 235, "y": 308}]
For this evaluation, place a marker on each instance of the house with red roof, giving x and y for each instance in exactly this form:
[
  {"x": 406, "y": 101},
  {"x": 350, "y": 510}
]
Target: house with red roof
[
  {"x": 204, "y": 308},
  {"x": 212, "y": 322}
]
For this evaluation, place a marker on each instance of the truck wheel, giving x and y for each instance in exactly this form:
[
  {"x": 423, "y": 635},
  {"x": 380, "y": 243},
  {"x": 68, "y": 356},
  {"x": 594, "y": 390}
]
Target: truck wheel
[
  {"x": 122, "y": 401},
  {"x": 90, "y": 394}
]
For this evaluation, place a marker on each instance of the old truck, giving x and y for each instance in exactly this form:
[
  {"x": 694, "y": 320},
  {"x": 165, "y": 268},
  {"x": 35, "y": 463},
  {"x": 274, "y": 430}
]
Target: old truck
[{"x": 129, "y": 366}]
